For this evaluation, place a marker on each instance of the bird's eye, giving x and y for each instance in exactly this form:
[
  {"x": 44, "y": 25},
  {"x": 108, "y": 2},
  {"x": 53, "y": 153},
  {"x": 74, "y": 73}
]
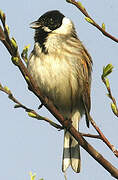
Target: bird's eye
[{"x": 51, "y": 20}]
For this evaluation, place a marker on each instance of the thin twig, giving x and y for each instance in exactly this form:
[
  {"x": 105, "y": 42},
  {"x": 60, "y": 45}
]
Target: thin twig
[
  {"x": 109, "y": 91},
  {"x": 2, "y": 35},
  {"x": 103, "y": 138},
  {"x": 115, "y": 109},
  {"x": 83, "y": 10},
  {"x": 90, "y": 135},
  {"x": 10, "y": 95},
  {"x": 32, "y": 113}
]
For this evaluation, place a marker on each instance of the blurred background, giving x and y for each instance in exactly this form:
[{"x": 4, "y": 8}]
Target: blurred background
[{"x": 30, "y": 145}]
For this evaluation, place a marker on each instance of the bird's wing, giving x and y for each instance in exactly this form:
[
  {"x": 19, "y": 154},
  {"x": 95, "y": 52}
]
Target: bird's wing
[
  {"x": 87, "y": 68},
  {"x": 86, "y": 102}
]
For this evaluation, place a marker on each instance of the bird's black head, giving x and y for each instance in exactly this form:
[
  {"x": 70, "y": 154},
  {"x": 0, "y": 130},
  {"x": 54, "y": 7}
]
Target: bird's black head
[
  {"x": 47, "y": 23},
  {"x": 51, "y": 19}
]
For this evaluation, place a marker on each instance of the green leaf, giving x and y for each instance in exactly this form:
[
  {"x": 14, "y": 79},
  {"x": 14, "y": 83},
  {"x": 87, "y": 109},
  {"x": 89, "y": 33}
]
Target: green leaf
[
  {"x": 107, "y": 70},
  {"x": 24, "y": 53},
  {"x": 33, "y": 176},
  {"x": 114, "y": 108},
  {"x": 7, "y": 89},
  {"x": 27, "y": 78},
  {"x": 107, "y": 82},
  {"x": 13, "y": 41},
  {"x": 1, "y": 13},
  {"x": 2, "y": 17},
  {"x": 31, "y": 114},
  {"x": 26, "y": 47},
  {"x": 103, "y": 26},
  {"x": 7, "y": 28},
  {"x": 89, "y": 20},
  {"x": 80, "y": 4},
  {"x": 15, "y": 60}
]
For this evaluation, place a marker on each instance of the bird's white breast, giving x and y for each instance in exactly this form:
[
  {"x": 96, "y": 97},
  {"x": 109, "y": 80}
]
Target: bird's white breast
[{"x": 55, "y": 78}]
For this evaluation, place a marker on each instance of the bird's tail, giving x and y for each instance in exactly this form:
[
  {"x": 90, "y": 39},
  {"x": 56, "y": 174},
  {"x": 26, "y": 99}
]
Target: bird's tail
[{"x": 71, "y": 151}]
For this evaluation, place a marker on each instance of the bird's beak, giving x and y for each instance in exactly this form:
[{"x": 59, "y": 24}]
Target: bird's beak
[{"x": 35, "y": 25}]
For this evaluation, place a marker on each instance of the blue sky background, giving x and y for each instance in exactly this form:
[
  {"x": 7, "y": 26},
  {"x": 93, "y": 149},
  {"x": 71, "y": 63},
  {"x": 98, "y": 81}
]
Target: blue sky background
[{"x": 30, "y": 145}]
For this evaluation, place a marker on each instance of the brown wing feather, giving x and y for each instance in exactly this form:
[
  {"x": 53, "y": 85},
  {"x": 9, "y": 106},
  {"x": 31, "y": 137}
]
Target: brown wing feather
[
  {"x": 87, "y": 68},
  {"x": 86, "y": 102}
]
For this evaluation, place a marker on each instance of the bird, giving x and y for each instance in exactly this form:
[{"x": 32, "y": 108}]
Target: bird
[{"x": 62, "y": 67}]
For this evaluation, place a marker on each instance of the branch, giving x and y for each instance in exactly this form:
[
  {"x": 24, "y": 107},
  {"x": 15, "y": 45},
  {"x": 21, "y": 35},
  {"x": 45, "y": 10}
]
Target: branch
[
  {"x": 91, "y": 136},
  {"x": 103, "y": 138},
  {"x": 13, "y": 50},
  {"x": 106, "y": 71},
  {"x": 91, "y": 21},
  {"x": 31, "y": 112}
]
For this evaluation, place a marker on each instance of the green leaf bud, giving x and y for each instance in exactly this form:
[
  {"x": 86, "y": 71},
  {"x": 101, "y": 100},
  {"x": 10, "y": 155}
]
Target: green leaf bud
[
  {"x": 7, "y": 89},
  {"x": 80, "y": 4},
  {"x": 2, "y": 16},
  {"x": 114, "y": 108},
  {"x": 7, "y": 28},
  {"x": 107, "y": 70},
  {"x": 15, "y": 60},
  {"x": 103, "y": 26},
  {"x": 33, "y": 176},
  {"x": 31, "y": 114},
  {"x": 27, "y": 78},
  {"x": 14, "y": 44},
  {"x": 89, "y": 20},
  {"x": 107, "y": 82}
]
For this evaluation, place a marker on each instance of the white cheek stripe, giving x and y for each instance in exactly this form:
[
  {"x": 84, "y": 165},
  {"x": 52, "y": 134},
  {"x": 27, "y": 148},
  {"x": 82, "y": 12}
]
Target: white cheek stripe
[
  {"x": 66, "y": 21},
  {"x": 65, "y": 28}
]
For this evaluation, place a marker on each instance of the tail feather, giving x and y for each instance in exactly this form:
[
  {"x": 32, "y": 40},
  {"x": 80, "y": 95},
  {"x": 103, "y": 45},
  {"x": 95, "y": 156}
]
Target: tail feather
[
  {"x": 66, "y": 151},
  {"x": 71, "y": 152},
  {"x": 75, "y": 155}
]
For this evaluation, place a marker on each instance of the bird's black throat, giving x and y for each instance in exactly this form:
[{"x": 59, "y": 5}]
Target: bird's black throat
[{"x": 40, "y": 37}]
